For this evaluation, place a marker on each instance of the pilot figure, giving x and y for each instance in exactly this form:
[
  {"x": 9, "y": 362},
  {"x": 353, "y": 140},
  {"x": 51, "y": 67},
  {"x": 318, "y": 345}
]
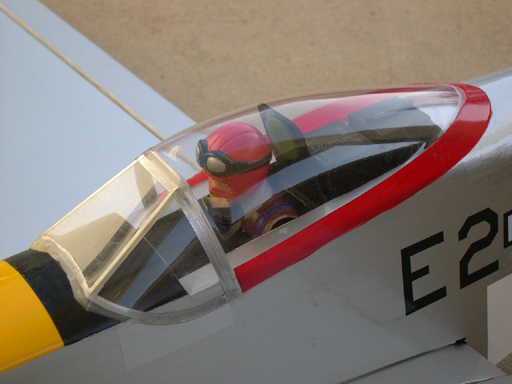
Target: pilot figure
[{"x": 236, "y": 159}]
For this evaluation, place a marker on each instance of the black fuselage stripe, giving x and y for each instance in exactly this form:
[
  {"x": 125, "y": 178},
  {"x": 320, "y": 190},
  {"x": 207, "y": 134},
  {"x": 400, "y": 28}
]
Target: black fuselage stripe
[{"x": 51, "y": 285}]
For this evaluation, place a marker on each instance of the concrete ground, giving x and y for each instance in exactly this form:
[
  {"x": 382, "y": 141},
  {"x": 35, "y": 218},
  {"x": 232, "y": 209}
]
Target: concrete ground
[{"x": 208, "y": 58}]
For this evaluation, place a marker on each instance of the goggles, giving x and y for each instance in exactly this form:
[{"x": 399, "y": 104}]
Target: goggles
[{"x": 221, "y": 165}]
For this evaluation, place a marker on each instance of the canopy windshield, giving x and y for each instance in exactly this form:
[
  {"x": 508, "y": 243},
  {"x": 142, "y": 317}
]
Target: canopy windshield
[
  {"x": 130, "y": 250},
  {"x": 160, "y": 241},
  {"x": 104, "y": 226},
  {"x": 295, "y": 160}
]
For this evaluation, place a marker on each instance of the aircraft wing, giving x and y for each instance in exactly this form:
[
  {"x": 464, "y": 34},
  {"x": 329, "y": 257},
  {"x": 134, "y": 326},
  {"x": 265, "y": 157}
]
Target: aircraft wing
[
  {"x": 501, "y": 380},
  {"x": 457, "y": 363},
  {"x": 61, "y": 136}
]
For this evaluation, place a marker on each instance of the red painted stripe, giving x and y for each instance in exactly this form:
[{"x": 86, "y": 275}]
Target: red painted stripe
[
  {"x": 340, "y": 109},
  {"x": 197, "y": 178},
  {"x": 337, "y": 110},
  {"x": 448, "y": 150},
  {"x": 330, "y": 113}
]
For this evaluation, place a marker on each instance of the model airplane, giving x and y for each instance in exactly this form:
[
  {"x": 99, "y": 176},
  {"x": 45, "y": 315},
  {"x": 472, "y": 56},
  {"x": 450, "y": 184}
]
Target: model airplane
[{"x": 313, "y": 239}]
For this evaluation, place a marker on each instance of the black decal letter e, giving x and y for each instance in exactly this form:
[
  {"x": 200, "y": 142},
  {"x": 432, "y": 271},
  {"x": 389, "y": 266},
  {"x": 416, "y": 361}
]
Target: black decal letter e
[{"x": 409, "y": 276}]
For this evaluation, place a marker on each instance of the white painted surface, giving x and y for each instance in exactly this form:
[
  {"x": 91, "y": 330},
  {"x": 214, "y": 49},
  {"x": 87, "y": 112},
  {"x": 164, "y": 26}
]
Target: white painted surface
[
  {"x": 141, "y": 98},
  {"x": 142, "y": 343},
  {"x": 499, "y": 315}
]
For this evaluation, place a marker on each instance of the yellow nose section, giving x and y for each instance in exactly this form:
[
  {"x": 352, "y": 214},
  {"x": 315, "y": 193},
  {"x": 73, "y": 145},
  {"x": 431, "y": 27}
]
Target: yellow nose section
[{"x": 26, "y": 330}]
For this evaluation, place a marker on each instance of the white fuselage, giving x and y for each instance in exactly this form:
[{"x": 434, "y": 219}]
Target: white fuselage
[{"x": 341, "y": 312}]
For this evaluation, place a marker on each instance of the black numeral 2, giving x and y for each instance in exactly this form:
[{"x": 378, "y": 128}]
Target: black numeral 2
[{"x": 490, "y": 217}]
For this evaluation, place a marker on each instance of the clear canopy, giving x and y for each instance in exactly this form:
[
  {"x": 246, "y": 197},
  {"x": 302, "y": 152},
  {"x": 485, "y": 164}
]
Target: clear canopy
[
  {"x": 324, "y": 151},
  {"x": 159, "y": 242}
]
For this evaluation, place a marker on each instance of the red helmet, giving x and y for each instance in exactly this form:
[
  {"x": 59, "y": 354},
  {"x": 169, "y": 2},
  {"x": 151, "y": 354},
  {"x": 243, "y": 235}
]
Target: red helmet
[{"x": 235, "y": 157}]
